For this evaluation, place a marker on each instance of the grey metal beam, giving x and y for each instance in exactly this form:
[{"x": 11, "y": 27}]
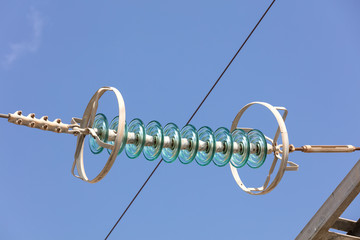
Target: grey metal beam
[
  {"x": 356, "y": 229},
  {"x": 318, "y": 227},
  {"x": 343, "y": 224},
  {"x": 339, "y": 236}
]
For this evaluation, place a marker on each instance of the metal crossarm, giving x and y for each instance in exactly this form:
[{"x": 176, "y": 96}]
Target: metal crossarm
[{"x": 328, "y": 216}]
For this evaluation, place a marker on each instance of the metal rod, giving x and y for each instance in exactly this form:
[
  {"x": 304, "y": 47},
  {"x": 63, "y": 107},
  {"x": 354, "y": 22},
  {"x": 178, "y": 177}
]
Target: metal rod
[
  {"x": 327, "y": 148},
  {"x": 4, "y": 115}
]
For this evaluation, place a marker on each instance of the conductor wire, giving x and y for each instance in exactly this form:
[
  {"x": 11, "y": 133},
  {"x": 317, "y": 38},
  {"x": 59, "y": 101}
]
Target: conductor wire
[{"x": 192, "y": 116}]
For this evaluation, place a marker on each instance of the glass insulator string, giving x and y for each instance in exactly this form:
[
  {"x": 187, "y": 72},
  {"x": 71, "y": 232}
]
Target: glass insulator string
[{"x": 188, "y": 144}]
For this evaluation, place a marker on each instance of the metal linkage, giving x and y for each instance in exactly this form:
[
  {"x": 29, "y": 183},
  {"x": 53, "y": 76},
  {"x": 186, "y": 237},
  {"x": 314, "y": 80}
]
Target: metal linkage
[{"x": 327, "y": 148}]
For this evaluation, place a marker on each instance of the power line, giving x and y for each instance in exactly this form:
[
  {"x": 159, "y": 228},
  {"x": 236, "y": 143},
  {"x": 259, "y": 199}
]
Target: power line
[
  {"x": 192, "y": 116},
  {"x": 242, "y": 45}
]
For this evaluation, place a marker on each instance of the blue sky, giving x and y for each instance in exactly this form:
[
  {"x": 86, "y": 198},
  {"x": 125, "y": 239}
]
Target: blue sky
[{"x": 164, "y": 56}]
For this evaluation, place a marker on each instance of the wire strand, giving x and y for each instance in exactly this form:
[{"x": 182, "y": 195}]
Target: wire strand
[{"x": 192, "y": 116}]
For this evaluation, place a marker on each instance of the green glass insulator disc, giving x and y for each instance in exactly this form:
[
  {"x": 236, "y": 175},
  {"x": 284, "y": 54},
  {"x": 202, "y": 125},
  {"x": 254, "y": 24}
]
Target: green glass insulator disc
[
  {"x": 188, "y": 155},
  {"x": 240, "y": 157},
  {"x": 222, "y": 158},
  {"x": 206, "y": 135},
  {"x": 155, "y": 130},
  {"x": 136, "y": 127},
  {"x": 114, "y": 126},
  {"x": 170, "y": 154},
  {"x": 101, "y": 126},
  {"x": 257, "y": 139}
]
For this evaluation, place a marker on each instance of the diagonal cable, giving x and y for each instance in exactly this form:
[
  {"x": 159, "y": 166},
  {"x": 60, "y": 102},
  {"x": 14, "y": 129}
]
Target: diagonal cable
[{"x": 192, "y": 116}]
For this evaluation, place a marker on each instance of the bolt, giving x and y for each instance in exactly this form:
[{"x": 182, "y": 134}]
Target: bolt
[
  {"x": 45, "y": 118},
  {"x": 19, "y": 113},
  {"x": 58, "y": 130},
  {"x": 32, "y": 115},
  {"x": 19, "y": 121},
  {"x": 32, "y": 124},
  {"x": 58, "y": 120},
  {"x": 45, "y": 127}
]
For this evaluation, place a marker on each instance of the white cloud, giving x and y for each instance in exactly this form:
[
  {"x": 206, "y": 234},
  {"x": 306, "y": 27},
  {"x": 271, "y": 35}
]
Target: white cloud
[{"x": 32, "y": 45}]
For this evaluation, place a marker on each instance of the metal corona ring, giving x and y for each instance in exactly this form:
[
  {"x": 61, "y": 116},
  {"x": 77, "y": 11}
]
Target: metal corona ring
[
  {"x": 282, "y": 155},
  {"x": 87, "y": 122}
]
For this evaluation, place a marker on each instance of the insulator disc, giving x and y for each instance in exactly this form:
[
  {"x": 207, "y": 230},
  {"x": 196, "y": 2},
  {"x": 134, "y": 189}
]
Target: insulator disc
[
  {"x": 101, "y": 126},
  {"x": 222, "y": 158},
  {"x": 241, "y": 157},
  {"x": 154, "y": 129},
  {"x": 114, "y": 126},
  {"x": 206, "y": 135},
  {"x": 137, "y": 127},
  {"x": 170, "y": 154},
  {"x": 188, "y": 155},
  {"x": 257, "y": 138}
]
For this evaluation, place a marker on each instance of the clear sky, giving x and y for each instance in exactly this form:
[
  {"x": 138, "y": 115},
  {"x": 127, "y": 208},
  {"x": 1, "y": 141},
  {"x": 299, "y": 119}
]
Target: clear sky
[{"x": 164, "y": 56}]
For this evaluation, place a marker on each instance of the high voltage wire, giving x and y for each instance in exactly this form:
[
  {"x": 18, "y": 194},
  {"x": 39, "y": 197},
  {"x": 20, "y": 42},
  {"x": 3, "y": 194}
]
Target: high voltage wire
[{"x": 192, "y": 116}]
